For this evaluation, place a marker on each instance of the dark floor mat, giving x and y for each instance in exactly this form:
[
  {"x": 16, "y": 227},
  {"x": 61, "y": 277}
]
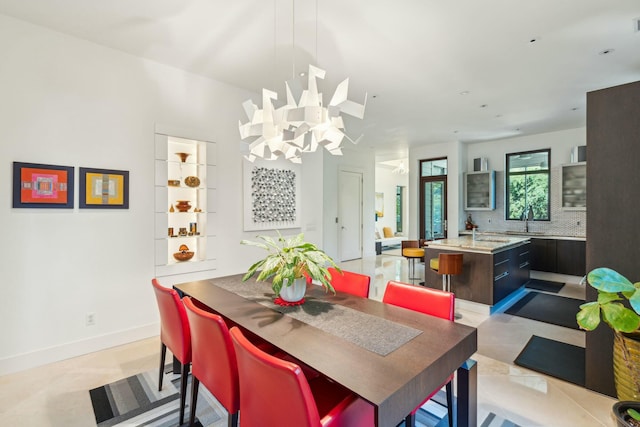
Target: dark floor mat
[
  {"x": 548, "y": 308},
  {"x": 544, "y": 285},
  {"x": 555, "y": 358}
]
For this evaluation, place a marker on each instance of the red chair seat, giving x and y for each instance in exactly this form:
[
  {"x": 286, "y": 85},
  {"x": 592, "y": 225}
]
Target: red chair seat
[
  {"x": 297, "y": 402},
  {"x": 429, "y": 301}
]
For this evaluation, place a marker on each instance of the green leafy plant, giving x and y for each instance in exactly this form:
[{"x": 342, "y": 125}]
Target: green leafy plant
[
  {"x": 612, "y": 288},
  {"x": 290, "y": 259}
]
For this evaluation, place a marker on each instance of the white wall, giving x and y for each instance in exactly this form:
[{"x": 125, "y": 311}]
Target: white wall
[
  {"x": 359, "y": 159},
  {"x": 560, "y": 143},
  {"x": 456, "y": 156},
  {"x": 69, "y": 102},
  {"x": 386, "y": 183}
]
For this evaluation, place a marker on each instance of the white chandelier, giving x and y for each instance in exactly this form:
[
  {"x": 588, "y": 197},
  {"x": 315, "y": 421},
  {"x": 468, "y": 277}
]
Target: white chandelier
[
  {"x": 401, "y": 169},
  {"x": 301, "y": 124}
]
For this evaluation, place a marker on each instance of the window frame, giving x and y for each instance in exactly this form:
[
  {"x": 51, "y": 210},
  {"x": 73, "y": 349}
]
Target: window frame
[{"x": 508, "y": 175}]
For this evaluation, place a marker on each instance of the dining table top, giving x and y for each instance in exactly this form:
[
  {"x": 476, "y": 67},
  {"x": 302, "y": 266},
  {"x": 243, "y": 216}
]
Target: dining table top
[{"x": 389, "y": 356}]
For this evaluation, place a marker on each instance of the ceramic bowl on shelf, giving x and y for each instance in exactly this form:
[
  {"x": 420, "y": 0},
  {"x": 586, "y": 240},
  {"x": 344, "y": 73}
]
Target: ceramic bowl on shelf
[
  {"x": 184, "y": 255},
  {"x": 173, "y": 183},
  {"x": 192, "y": 181}
]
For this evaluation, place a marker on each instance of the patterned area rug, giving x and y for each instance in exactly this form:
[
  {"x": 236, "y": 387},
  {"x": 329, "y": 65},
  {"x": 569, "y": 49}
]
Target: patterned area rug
[{"x": 136, "y": 401}]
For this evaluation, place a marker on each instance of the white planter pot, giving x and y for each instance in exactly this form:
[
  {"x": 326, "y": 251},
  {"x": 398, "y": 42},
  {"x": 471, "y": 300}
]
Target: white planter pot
[{"x": 295, "y": 292}]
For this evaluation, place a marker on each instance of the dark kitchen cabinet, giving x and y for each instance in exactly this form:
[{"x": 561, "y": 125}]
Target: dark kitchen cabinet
[
  {"x": 559, "y": 256},
  {"x": 543, "y": 255},
  {"x": 571, "y": 257}
]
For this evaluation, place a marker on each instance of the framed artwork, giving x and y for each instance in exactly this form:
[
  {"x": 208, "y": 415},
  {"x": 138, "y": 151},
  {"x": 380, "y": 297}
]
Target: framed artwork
[
  {"x": 271, "y": 193},
  {"x": 104, "y": 189},
  {"x": 42, "y": 186}
]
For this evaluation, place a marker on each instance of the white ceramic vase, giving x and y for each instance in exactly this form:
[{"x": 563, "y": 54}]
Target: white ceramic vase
[{"x": 295, "y": 292}]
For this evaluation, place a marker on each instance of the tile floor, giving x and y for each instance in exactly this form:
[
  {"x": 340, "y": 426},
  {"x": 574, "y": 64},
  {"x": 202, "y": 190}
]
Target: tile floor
[{"x": 57, "y": 394}]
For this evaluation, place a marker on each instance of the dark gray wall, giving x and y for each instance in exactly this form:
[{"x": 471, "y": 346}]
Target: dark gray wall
[{"x": 613, "y": 207}]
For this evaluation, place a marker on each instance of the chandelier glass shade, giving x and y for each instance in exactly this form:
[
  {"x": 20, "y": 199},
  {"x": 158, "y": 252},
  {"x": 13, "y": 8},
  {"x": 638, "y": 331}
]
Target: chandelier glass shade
[{"x": 300, "y": 125}]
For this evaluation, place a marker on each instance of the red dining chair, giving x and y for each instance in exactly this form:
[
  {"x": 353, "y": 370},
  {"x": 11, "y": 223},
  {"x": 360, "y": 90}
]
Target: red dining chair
[
  {"x": 174, "y": 334},
  {"x": 349, "y": 282},
  {"x": 433, "y": 302},
  {"x": 275, "y": 392},
  {"x": 213, "y": 360}
]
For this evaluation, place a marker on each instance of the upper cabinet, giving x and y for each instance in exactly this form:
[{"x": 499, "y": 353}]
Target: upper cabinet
[
  {"x": 574, "y": 186},
  {"x": 480, "y": 191}
]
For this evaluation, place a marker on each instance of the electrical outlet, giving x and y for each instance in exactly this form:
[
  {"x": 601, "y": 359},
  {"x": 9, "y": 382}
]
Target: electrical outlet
[{"x": 90, "y": 319}]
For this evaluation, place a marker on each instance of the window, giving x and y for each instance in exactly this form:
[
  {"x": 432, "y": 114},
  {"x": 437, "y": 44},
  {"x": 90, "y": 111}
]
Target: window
[
  {"x": 399, "y": 203},
  {"x": 527, "y": 185}
]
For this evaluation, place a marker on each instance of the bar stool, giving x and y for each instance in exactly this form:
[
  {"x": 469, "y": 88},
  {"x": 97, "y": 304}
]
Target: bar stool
[
  {"x": 411, "y": 250},
  {"x": 447, "y": 264}
]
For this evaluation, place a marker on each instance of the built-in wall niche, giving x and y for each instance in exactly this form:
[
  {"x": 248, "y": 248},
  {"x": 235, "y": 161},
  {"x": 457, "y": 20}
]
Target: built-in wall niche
[{"x": 185, "y": 205}]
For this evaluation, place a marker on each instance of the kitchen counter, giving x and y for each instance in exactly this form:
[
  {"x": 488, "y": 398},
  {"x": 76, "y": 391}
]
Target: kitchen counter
[
  {"x": 493, "y": 267},
  {"x": 484, "y": 243}
]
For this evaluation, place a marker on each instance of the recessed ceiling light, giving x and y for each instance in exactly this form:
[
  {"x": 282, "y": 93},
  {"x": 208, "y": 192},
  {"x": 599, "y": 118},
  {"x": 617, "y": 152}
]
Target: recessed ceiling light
[
  {"x": 484, "y": 106},
  {"x": 465, "y": 92},
  {"x": 575, "y": 108},
  {"x": 534, "y": 39},
  {"x": 498, "y": 116},
  {"x": 606, "y": 51}
]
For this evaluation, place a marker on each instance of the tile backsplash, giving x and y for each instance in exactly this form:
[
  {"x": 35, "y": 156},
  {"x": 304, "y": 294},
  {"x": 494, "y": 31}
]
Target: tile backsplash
[{"x": 563, "y": 222}]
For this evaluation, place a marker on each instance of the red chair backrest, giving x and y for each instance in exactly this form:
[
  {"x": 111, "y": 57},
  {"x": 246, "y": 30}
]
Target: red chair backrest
[
  {"x": 213, "y": 356},
  {"x": 349, "y": 282},
  {"x": 433, "y": 302},
  {"x": 273, "y": 392},
  {"x": 174, "y": 325}
]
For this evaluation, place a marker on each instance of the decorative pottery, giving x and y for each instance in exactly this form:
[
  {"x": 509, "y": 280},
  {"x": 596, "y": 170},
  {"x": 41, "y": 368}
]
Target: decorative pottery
[
  {"x": 184, "y": 254},
  {"x": 183, "y": 156},
  {"x": 295, "y": 292},
  {"x": 172, "y": 209},
  {"x": 626, "y": 365},
  {"x": 192, "y": 181},
  {"x": 173, "y": 183},
  {"x": 183, "y": 205},
  {"x": 623, "y": 419}
]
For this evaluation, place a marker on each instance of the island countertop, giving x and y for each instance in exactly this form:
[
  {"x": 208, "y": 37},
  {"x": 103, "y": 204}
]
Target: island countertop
[{"x": 482, "y": 243}]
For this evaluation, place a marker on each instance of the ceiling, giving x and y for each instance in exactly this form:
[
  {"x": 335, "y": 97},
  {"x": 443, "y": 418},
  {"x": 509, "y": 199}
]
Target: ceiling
[{"x": 435, "y": 71}]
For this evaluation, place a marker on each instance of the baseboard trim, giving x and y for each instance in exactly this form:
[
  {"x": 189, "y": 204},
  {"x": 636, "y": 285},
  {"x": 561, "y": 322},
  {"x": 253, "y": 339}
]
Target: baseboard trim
[{"x": 21, "y": 362}]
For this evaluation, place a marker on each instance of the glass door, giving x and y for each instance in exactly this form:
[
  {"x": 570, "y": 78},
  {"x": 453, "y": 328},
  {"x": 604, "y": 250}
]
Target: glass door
[{"x": 433, "y": 199}]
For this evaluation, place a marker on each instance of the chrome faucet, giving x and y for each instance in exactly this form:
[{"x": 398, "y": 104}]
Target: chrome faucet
[{"x": 526, "y": 217}]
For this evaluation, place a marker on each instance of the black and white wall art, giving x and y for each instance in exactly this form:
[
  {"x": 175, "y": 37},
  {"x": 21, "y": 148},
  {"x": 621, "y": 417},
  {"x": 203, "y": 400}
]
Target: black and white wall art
[{"x": 271, "y": 195}]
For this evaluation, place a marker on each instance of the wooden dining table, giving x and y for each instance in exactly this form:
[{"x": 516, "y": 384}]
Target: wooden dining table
[{"x": 390, "y": 356}]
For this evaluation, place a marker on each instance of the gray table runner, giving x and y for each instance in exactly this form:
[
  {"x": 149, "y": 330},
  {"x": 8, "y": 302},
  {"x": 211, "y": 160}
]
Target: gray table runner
[{"x": 373, "y": 333}]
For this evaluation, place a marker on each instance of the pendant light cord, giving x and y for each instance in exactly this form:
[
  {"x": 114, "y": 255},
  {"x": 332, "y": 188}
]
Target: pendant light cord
[{"x": 293, "y": 39}]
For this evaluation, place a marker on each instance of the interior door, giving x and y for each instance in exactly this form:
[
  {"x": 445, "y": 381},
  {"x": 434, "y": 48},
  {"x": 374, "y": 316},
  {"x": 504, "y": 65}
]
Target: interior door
[
  {"x": 433, "y": 207},
  {"x": 350, "y": 215}
]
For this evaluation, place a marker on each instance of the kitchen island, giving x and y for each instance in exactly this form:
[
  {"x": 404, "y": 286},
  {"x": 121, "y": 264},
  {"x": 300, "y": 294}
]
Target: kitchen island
[{"x": 493, "y": 266}]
